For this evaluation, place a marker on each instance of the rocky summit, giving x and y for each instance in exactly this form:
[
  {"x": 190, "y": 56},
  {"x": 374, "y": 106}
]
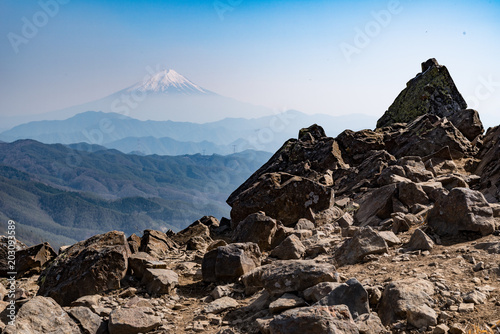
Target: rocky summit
[{"x": 391, "y": 230}]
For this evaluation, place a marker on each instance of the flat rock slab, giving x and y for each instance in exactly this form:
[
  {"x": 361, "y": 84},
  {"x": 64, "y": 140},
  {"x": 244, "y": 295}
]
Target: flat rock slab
[
  {"x": 221, "y": 305},
  {"x": 132, "y": 320},
  {"x": 286, "y": 302}
]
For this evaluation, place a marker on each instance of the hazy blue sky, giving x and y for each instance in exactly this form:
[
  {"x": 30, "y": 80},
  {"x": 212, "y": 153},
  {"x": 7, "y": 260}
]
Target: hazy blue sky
[{"x": 334, "y": 57}]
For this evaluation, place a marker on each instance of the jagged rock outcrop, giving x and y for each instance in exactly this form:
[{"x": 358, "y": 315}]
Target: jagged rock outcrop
[
  {"x": 88, "y": 267},
  {"x": 489, "y": 168},
  {"x": 431, "y": 92},
  {"x": 282, "y": 196}
]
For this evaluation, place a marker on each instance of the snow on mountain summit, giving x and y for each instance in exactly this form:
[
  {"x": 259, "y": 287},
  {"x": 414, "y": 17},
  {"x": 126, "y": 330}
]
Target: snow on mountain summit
[{"x": 168, "y": 81}]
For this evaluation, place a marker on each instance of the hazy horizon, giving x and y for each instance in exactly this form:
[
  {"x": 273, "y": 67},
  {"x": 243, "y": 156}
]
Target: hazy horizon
[{"x": 328, "y": 57}]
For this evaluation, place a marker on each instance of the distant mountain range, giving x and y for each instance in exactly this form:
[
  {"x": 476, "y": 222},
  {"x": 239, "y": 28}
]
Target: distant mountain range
[
  {"x": 226, "y": 136},
  {"x": 165, "y": 95},
  {"x": 63, "y": 194}
]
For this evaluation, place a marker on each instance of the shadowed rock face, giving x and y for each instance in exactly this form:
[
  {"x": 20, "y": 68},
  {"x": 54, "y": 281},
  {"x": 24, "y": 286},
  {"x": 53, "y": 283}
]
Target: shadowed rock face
[{"x": 431, "y": 92}]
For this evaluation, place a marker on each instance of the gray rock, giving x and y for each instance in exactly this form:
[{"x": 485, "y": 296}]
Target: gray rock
[
  {"x": 257, "y": 228},
  {"x": 160, "y": 281},
  {"x": 320, "y": 290},
  {"x": 462, "y": 210},
  {"x": 352, "y": 294},
  {"x": 304, "y": 224},
  {"x": 42, "y": 315},
  {"x": 490, "y": 247},
  {"x": 475, "y": 297},
  {"x": 420, "y": 241},
  {"x": 88, "y": 267},
  {"x": 369, "y": 323},
  {"x": 132, "y": 320},
  {"x": 139, "y": 262},
  {"x": 87, "y": 301},
  {"x": 291, "y": 248},
  {"x": 221, "y": 305},
  {"x": 288, "y": 276},
  {"x": 195, "y": 236},
  {"x": 314, "y": 320},
  {"x": 286, "y": 302},
  {"x": 346, "y": 220},
  {"x": 365, "y": 242},
  {"x": 157, "y": 244},
  {"x": 400, "y": 296},
  {"x": 221, "y": 291},
  {"x": 90, "y": 322},
  {"x": 421, "y": 316},
  {"x": 390, "y": 238},
  {"x": 410, "y": 193},
  {"x": 376, "y": 206},
  {"x": 32, "y": 260},
  {"x": 228, "y": 263}
]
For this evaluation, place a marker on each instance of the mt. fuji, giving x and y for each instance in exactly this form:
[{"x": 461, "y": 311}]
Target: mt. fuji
[
  {"x": 167, "y": 81},
  {"x": 163, "y": 96}
]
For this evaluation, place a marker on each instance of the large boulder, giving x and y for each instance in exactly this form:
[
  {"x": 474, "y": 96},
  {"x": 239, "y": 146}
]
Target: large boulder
[
  {"x": 431, "y": 92},
  {"x": 288, "y": 276},
  {"x": 42, "y": 315},
  {"x": 403, "y": 296},
  {"x": 33, "y": 259},
  {"x": 462, "y": 209},
  {"x": 228, "y": 263},
  {"x": 257, "y": 228},
  {"x": 283, "y": 196},
  {"x": 86, "y": 268},
  {"x": 314, "y": 320},
  {"x": 365, "y": 242}
]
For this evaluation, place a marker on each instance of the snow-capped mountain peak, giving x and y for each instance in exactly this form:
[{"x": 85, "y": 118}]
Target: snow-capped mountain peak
[{"x": 168, "y": 81}]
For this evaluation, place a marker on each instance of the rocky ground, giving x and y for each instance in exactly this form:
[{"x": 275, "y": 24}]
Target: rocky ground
[{"x": 395, "y": 230}]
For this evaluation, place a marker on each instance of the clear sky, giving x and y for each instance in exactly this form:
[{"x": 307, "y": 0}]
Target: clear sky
[{"x": 333, "y": 57}]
